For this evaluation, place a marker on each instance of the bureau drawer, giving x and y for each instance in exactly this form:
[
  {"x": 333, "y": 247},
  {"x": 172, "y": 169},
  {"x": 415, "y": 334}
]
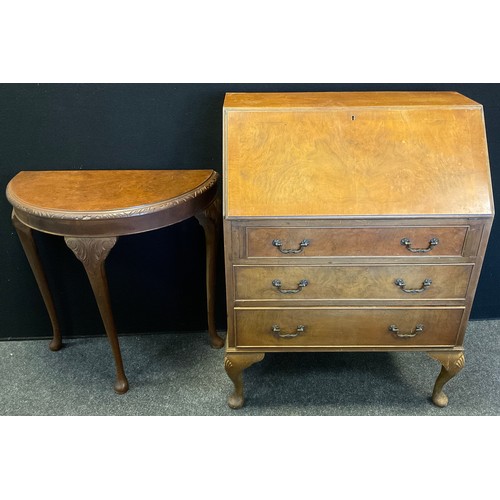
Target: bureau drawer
[
  {"x": 406, "y": 282},
  {"x": 358, "y": 241},
  {"x": 288, "y": 328}
]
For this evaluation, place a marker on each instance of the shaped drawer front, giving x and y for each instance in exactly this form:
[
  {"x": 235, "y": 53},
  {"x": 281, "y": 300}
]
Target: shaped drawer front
[
  {"x": 406, "y": 282},
  {"x": 359, "y": 241},
  {"x": 288, "y": 328}
]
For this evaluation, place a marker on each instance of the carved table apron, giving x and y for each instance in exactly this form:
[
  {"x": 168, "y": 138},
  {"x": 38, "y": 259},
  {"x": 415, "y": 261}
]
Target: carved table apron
[{"x": 91, "y": 209}]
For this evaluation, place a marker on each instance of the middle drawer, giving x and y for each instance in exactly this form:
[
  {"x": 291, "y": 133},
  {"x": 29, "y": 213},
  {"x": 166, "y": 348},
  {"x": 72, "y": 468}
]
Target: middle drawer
[{"x": 410, "y": 282}]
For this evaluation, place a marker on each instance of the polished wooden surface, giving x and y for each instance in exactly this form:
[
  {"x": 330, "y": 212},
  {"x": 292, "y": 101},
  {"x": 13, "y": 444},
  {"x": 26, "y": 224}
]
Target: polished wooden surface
[
  {"x": 452, "y": 363},
  {"x": 333, "y": 283},
  {"x": 210, "y": 220},
  {"x": 91, "y": 209},
  {"x": 25, "y": 234},
  {"x": 340, "y": 179},
  {"x": 235, "y": 365},
  {"x": 92, "y": 253},
  {"x": 333, "y": 100},
  {"x": 100, "y": 208},
  {"x": 377, "y": 153},
  {"x": 355, "y": 241},
  {"x": 260, "y": 233},
  {"x": 90, "y": 191},
  {"x": 346, "y": 327}
]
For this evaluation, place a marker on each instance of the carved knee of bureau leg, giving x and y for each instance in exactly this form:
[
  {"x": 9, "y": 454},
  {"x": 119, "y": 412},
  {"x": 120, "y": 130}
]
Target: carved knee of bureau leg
[
  {"x": 234, "y": 364},
  {"x": 452, "y": 363}
]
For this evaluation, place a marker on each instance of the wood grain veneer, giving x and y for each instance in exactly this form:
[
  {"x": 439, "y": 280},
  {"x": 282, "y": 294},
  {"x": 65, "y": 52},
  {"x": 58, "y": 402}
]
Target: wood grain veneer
[
  {"x": 376, "y": 282},
  {"x": 92, "y": 208},
  {"x": 342, "y": 197},
  {"x": 371, "y": 157},
  {"x": 347, "y": 328},
  {"x": 94, "y": 191},
  {"x": 377, "y": 241}
]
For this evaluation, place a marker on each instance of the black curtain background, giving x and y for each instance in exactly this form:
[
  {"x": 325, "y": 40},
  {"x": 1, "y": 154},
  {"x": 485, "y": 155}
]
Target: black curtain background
[{"x": 156, "y": 279}]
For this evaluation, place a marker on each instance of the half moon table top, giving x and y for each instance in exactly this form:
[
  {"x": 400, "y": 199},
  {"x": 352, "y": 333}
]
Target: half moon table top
[{"x": 109, "y": 202}]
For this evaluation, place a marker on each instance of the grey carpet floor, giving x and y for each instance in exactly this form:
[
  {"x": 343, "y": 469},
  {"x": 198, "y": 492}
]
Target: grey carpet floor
[{"x": 179, "y": 374}]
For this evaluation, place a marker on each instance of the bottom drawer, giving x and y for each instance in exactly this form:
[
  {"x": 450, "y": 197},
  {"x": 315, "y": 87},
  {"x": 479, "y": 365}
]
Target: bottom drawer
[{"x": 290, "y": 328}]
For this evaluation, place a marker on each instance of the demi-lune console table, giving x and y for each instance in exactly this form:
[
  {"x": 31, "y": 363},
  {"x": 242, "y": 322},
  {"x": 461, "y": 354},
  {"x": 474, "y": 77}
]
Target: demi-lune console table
[{"x": 91, "y": 209}]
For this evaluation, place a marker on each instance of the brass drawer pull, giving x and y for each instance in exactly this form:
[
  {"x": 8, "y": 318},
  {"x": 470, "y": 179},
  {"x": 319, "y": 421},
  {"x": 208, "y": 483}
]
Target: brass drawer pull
[
  {"x": 425, "y": 284},
  {"x": 301, "y": 284},
  {"x": 407, "y": 243},
  {"x": 277, "y": 330},
  {"x": 418, "y": 329},
  {"x": 278, "y": 244}
]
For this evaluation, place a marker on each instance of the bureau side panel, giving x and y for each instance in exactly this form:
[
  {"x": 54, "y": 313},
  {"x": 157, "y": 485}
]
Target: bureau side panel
[
  {"x": 231, "y": 245},
  {"x": 474, "y": 280}
]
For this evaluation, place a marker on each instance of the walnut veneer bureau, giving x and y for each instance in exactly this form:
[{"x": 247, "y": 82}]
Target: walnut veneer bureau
[{"x": 353, "y": 222}]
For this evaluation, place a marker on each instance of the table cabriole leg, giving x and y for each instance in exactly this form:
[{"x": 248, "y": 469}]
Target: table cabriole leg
[
  {"x": 209, "y": 219},
  {"x": 235, "y": 363},
  {"x": 452, "y": 363},
  {"x": 92, "y": 252},
  {"x": 25, "y": 235}
]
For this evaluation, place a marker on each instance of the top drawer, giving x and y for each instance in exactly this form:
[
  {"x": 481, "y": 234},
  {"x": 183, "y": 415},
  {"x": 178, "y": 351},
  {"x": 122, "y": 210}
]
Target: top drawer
[{"x": 400, "y": 241}]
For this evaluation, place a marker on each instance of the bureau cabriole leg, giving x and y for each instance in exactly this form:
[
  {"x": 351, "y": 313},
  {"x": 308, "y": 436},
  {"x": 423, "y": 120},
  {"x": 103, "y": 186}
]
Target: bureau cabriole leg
[
  {"x": 209, "y": 219},
  {"x": 234, "y": 364},
  {"x": 92, "y": 252},
  {"x": 25, "y": 234},
  {"x": 452, "y": 363}
]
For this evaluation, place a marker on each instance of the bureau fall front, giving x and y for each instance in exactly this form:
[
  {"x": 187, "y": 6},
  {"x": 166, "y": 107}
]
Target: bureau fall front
[{"x": 353, "y": 222}]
